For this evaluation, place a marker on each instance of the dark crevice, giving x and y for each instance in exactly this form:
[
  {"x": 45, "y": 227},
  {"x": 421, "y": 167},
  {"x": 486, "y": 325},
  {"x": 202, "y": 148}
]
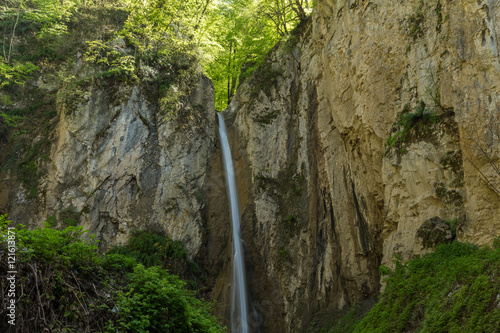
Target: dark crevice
[{"x": 361, "y": 223}]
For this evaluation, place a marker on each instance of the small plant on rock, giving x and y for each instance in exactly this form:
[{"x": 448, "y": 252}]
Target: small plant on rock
[
  {"x": 416, "y": 23},
  {"x": 420, "y": 119}
]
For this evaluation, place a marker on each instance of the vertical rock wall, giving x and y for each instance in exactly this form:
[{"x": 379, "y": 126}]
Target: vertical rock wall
[
  {"x": 326, "y": 197},
  {"x": 118, "y": 164}
]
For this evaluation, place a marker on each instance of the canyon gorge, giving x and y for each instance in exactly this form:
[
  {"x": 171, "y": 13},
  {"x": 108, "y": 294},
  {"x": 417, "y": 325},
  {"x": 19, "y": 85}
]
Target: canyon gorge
[{"x": 372, "y": 132}]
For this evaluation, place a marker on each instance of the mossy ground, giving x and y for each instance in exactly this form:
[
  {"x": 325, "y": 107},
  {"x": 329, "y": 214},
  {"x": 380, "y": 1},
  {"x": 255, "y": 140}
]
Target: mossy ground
[{"x": 454, "y": 289}]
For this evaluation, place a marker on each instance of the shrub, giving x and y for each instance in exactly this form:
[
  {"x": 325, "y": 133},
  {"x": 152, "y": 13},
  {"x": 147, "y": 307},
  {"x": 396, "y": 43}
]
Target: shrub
[
  {"x": 68, "y": 286},
  {"x": 416, "y": 23},
  {"x": 453, "y": 289},
  {"x": 151, "y": 248},
  {"x": 70, "y": 216},
  {"x": 155, "y": 301},
  {"x": 421, "y": 119}
]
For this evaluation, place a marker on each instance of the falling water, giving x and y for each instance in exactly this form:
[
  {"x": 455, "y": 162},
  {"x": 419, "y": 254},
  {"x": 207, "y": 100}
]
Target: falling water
[{"x": 239, "y": 302}]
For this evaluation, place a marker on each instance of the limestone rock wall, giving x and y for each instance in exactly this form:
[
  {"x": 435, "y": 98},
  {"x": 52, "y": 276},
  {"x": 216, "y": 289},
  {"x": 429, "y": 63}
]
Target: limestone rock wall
[
  {"x": 117, "y": 164},
  {"x": 326, "y": 197}
]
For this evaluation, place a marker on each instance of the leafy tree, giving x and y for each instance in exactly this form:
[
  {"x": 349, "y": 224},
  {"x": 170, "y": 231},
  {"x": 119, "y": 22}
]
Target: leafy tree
[
  {"x": 240, "y": 33},
  {"x": 15, "y": 72},
  {"x": 230, "y": 36}
]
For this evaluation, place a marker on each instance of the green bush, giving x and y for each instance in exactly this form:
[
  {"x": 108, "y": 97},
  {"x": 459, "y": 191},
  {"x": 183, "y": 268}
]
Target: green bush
[
  {"x": 62, "y": 248},
  {"x": 154, "y": 248},
  {"x": 76, "y": 289},
  {"x": 118, "y": 263},
  {"x": 453, "y": 226},
  {"x": 453, "y": 289},
  {"x": 70, "y": 216},
  {"x": 151, "y": 248},
  {"x": 155, "y": 301}
]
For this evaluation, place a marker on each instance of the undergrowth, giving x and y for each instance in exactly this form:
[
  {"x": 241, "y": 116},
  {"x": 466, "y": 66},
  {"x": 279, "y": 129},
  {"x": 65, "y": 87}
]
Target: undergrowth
[
  {"x": 454, "y": 289},
  {"x": 64, "y": 285},
  {"x": 153, "y": 248}
]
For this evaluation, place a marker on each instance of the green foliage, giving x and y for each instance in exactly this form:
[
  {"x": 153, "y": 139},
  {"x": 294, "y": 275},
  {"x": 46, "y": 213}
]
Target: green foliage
[
  {"x": 24, "y": 161},
  {"x": 347, "y": 322},
  {"x": 420, "y": 120},
  {"x": 384, "y": 270},
  {"x": 439, "y": 14},
  {"x": 416, "y": 23},
  {"x": 239, "y": 35},
  {"x": 51, "y": 221},
  {"x": 114, "y": 63},
  {"x": 152, "y": 248},
  {"x": 118, "y": 263},
  {"x": 61, "y": 248},
  {"x": 453, "y": 226},
  {"x": 69, "y": 282},
  {"x": 15, "y": 73},
  {"x": 236, "y": 45},
  {"x": 155, "y": 301},
  {"x": 148, "y": 41},
  {"x": 28, "y": 171},
  {"x": 70, "y": 216},
  {"x": 453, "y": 289},
  {"x": 291, "y": 41},
  {"x": 340, "y": 321},
  {"x": 496, "y": 243}
]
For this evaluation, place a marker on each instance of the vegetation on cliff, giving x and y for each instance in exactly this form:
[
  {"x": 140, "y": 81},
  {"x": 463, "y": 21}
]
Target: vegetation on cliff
[
  {"x": 454, "y": 289},
  {"x": 135, "y": 40},
  {"x": 63, "y": 285},
  {"x": 54, "y": 54}
]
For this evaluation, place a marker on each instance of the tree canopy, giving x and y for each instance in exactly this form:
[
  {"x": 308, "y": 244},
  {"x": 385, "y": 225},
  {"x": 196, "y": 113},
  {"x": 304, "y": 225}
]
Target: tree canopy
[
  {"x": 228, "y": 37},
  {"x": 238, "y": 35}
]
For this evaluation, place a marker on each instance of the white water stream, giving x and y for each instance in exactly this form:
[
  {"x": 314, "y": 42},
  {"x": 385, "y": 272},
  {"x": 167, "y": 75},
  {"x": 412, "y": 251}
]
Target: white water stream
[{"x": 239, "y": 297}]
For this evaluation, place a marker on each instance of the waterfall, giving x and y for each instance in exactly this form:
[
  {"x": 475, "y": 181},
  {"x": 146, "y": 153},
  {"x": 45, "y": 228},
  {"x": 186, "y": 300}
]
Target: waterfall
[{"x": 239, "y": 297}]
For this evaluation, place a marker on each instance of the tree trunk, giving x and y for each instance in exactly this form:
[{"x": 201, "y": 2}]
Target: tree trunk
[
  {"x": 299, "y": 10},
  {"x": 229, "y": 73},
  {"x": 7, "y": 56}
]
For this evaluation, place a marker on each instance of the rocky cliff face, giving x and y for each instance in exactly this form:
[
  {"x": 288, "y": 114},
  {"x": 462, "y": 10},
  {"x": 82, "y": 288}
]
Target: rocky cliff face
[
  {"x": 117, "y": 164},
  {"x": 376, "y": 117}
]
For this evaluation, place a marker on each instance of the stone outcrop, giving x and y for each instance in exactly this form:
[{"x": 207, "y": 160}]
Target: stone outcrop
[
  {"x": 382, "y": 116},
  {"x": 434, "y": 232},
  {"x": 119, "y": 163}
]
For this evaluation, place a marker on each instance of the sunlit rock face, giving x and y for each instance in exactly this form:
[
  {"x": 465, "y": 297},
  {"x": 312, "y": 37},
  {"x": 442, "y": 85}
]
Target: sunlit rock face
[
  {"x": 119, "y": 164},
  {"x": 334, "y": 182}
]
